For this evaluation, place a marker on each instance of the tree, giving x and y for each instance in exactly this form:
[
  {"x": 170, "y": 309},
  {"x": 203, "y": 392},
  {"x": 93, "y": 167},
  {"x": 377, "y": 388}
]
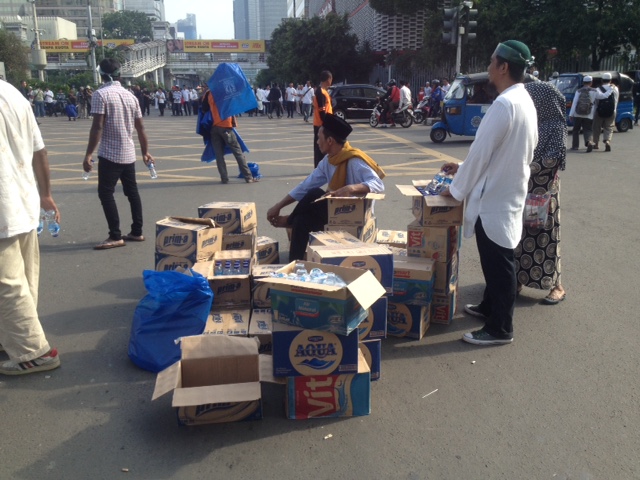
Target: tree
[
  {"x": 15, "y": 56},
  {"x": 301, "y": 48},
  {"x": 127, "y": 24}
]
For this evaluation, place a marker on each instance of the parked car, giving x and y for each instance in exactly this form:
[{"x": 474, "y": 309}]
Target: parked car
[{"x": 355, "y": 101}]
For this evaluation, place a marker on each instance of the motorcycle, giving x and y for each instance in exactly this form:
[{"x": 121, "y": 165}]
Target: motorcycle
[
  {"x": 403, "y": 117},
  {"x": 422, "y": 111}
]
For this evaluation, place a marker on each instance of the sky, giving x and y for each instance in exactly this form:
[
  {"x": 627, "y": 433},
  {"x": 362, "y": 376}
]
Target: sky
[{"x": 214, "y": 18}]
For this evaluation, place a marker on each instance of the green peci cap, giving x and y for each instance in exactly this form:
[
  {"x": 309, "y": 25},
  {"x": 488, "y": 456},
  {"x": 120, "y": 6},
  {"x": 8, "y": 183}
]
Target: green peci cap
[{"x": 516, "y": 52}]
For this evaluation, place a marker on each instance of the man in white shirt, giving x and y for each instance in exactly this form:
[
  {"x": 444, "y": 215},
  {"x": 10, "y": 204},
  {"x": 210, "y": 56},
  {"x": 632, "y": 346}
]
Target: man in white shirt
[
  {"x": 493, "y": 181},
  {"x": 581, "y": 114},
  {"x": 177, "y": 102},
  {"x": 405, "y": 95},
  {"x": 603, "y": 122},
  {"x": 445, "y": 85},
  {"x": 307, "y": 100},
  {"x": 291, "y": 94},
  {"x": 186, "y": 102},
  {"x": 48, "y": 101}
]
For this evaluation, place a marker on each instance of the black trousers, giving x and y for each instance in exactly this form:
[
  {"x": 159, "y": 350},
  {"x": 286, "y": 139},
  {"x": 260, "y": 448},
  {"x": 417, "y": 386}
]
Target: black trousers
[
  {"x": 317, "y": 154},
  {"x": 161, "y": 108},
  {"x": 108, "y": 175},
  {"x": 306, "y": 217},
  {"x": 499, "y": 270}
]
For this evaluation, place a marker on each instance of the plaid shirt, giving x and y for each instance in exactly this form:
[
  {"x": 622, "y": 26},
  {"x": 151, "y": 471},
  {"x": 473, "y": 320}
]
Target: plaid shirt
[{"x": 120, "y": 109}]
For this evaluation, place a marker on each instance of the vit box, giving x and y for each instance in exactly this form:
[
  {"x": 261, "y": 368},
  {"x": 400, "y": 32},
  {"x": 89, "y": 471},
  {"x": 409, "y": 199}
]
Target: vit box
[
  {"x": 376, "y": 258},
  {"x": 233, "y": 217},
  {"x": 216, "y": 380},
  {"x": 438, "y": 243},
  {"x": 351, "y": 210},
  {"x": 375, "y": 324},
  {"x": 267, "y": 251},
  {"x": 432, "y": 210},
  {"x": 260, "y": 291},
  {"x": 323, "y": 307},
  {"x": 446, "y": 276},
  {"x": 298, "y": 351},
  {"x": 372, "y": 351},
  {"x": 228, "y": 322},
  {"x": 330, "y": 396},
  {"x": 365, "y": 233},
  {"x": 394, "y": 238},
  {"x": 192, "y": 238},
  {"x": 413, "y": 280},
  {"x": 410, "y": 321},
  {"x": 261, "y": 328},
  {"x": 443, "y": 308}
]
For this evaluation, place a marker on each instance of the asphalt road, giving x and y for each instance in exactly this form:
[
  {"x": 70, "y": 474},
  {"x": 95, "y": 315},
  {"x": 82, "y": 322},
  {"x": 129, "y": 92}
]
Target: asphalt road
[{"x": 561, "y": 402}]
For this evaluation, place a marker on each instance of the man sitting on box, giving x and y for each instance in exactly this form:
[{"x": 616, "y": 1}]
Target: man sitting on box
[{"x": 348, "y": 172}]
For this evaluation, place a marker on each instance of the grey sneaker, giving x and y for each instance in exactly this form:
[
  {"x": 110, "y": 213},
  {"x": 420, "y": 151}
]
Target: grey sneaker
[
  {"x": 474, "y": 310},
  {"x": 480, "y": 337},
  {"x": 48, "y": 361}
]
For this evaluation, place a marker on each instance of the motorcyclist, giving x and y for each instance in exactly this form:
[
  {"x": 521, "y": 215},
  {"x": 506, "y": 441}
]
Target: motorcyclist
[
  {"x": 390, "y": 101},
  {"x": 437, "y": 95}
]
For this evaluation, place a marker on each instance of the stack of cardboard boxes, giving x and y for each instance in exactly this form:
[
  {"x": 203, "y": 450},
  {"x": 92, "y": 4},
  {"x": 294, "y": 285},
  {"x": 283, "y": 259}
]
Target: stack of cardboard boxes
[{"x": 353, "y": 215}]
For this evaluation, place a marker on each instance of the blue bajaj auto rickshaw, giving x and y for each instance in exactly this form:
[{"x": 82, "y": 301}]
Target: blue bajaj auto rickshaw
[
  {"x": 568, "y": 83},
  {"x": 465, "y": 105}
]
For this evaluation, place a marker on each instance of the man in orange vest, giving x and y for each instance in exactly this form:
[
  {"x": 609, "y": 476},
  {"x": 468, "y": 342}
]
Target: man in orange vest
[
  {"x": 321, "y": 106},
  {"x": 222, "y": 135}
]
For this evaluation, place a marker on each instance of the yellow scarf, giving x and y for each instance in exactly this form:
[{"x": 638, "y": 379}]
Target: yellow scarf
[{"x": 340, "y": 160}]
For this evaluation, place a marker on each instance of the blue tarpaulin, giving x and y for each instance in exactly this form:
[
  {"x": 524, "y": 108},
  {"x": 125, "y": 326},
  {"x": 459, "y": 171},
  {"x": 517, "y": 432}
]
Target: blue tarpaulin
[{"x": 231, "y": 90}]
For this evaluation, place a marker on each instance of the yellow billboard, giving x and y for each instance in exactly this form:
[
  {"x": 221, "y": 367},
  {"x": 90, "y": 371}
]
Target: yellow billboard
[
  {"x": 215, "y": 46},
  {"x": 78, "y": 46}
]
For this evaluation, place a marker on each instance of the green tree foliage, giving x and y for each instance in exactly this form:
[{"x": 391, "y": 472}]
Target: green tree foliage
[
  {"x": 15, "y": 57},
  {"x": 127, "y": 24},
  {"x": 302, "y": 48}
]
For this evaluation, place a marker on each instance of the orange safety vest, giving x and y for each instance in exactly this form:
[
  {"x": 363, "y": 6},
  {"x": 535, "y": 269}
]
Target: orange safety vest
[
  {"x": 228, "y": 122},
  {"x": 328, "y": 108}
]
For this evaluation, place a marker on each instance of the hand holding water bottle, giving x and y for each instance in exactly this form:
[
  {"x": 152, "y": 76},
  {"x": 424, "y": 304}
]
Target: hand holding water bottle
[
  {"x": 51, "y": 214},
  {"x": 151, "y": 165}
]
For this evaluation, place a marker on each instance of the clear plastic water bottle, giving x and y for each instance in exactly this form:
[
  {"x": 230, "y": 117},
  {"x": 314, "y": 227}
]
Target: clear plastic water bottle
[
  {"x": 87, "y": 175},
  {"x": 217, "y": 271},
  {"x": 41, "y": 222},
  {"x": 237, "y": 268},
  {"x": 52, "y": 225},
  {"x": 152, "y": 171},
  {"x": 245, "y": 267},
  {"x": 227, "y": 268},
  {"x": 331, "y": 279}
]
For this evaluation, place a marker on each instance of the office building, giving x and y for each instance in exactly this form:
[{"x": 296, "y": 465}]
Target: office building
[
  {"x": 153, "y": 8},
  {"x": 187, "y": 26},
  {"x": 257, "y": 19}
]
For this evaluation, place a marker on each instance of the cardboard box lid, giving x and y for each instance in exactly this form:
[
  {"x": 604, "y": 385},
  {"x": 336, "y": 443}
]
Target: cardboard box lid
[
  {"x": 236, "y": 392},
  {"x": 199, "y": 221},
  {"x": 414, "y": 263},
  {"x": 431, "y": 200},
  {"x": 368, "y": 196},
  {"x": 362, "y": 284}
]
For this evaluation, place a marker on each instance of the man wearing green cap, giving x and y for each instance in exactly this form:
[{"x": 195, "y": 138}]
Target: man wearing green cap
[{"x": 493, "y": 181}]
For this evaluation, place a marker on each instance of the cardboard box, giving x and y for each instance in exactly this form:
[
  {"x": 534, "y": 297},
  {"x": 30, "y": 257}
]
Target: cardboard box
[
  {"x": 372, "y": 351},
  {"x": 376, "y": 258},
  {"x": 233, "y": 217},
  {"x": 443, "y": 308},
  {"x": 267, "y": 251},
  {"x": 228, "y": 290},
  {"x": 239, "y": 241},
  {"x": 395, "y": 238},
  {"x": 192, "y": 238},
  {"x": 397, "y": 252},
  {"x": 432, "y": 210},
  {"x": 324, "y": 238},
  {"x": 261, "y": 328},
  {"x": 324, "y": 307},
  {"x": 321, "y": 396},
  {"x": 169, "y": 262},
  {"x": 375, "y": 324},
  {"x": 413, "y": 280},
  {"x": 217, "y": 380},
  {"x": 410, "y": 321},
  {"x": 446, "y": 276},
  {"x": 228, "y": 322},
  {"x": 438, "y": 243},
  {"x": 351, "y": 210},
  {"x": 364, "y": 233},
  {"x": 260, "y": 291},
  {"x": 299, "y": 351}
]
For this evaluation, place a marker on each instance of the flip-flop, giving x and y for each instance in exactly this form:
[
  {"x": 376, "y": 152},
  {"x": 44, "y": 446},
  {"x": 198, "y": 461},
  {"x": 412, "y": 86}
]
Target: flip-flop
[{"x": 549, "y": 300}]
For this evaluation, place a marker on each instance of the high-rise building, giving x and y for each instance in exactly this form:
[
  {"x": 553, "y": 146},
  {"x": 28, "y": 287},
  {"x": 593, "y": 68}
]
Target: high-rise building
[
  {"x": 76, "y": 11},
  {"x": 257, "y": 19},
  {"x": 188, "y": 27},
  {"x": 153, "y": 8},
  {"x": 298, "y": 8},
  {"x": 15, "y": 7}
]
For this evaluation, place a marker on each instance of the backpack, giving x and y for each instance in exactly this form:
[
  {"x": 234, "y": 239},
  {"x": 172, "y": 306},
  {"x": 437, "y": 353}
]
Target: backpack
[
  {"x": 583, "y": 107},
  {"x": 606, "y": 106}
]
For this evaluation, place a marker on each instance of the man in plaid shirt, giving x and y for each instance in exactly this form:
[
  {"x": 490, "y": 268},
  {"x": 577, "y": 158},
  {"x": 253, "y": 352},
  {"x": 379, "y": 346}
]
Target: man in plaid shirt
[{"x": 116, "y": 113}]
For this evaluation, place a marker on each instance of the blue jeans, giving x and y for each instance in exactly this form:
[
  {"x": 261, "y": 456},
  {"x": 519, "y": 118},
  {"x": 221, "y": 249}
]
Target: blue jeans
[{"x": 39, "y": 109}]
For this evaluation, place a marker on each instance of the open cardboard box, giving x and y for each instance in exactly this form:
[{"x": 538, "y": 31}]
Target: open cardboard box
[
  {"x": 216, "y": 380},
  {"x": 432, "y": 210},
  {"x": 323, "y": 307},
  {"x": 191, "y": 238}
]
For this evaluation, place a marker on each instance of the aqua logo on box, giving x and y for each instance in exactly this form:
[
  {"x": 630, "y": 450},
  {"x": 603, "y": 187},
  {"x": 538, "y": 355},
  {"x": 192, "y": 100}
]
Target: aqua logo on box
[
  {"x": 399, "y": 319},
  {"x": 313, "y": 354}
]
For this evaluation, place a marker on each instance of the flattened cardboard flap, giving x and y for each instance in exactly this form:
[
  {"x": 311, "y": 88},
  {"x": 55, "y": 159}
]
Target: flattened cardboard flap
[
  {"x": 366, "y": 289},
  {"x": 237, "y": 392},
  {"x": 167, "y": 380},
  {"x": 409, "y": 190},
  {"x": 207, "y": 346},
  {"x": 199, "y": 221},
  {"x": 441, "y": 201},
  {"x": 204, "y": 268}
]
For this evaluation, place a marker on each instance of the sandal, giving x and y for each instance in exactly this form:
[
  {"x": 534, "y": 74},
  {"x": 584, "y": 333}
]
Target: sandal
[
  {"x": 109, "y": 243},
  {"x": 553, "y": 300},
  {"x": 133, "y": 238}
]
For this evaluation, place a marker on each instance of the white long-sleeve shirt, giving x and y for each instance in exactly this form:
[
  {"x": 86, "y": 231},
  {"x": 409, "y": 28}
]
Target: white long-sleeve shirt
[
  {"x": 592, "y": 96},
  {"x": 405, "y": 97},
  {"x": 357, "y": 172},
  {"x": 493, "y": 178}
]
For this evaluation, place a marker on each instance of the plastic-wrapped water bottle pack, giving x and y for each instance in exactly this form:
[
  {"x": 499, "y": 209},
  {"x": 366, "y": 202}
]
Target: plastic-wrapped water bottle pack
[
  {"x": 440, "y": 182},
  {"x": 316, "y": 275}
]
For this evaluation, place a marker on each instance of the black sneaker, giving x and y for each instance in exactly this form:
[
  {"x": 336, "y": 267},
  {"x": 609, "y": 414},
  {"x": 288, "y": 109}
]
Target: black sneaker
[
  {"x": 607, "y": 146},
  {"x": 590, "y": 148},
  {"x": 474, "y": 310},
  {"x": 480, "y": 337}
]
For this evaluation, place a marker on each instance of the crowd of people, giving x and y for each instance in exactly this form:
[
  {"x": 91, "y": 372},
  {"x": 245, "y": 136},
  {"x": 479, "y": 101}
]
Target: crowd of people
[{"x": 274, "y": 100}]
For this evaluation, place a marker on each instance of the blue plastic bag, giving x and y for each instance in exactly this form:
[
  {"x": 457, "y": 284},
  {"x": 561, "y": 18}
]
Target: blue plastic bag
[
  {"x": 231, "y": 90},
  {"x": 177, "y": 305},
  {"x": 203, "y": 127}
]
